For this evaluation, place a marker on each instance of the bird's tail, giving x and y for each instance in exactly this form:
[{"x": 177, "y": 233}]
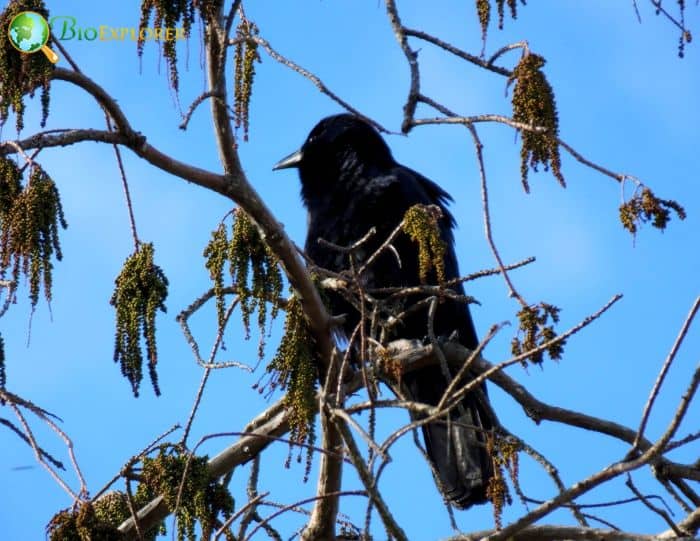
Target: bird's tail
[{"x": 456, "y": 446}]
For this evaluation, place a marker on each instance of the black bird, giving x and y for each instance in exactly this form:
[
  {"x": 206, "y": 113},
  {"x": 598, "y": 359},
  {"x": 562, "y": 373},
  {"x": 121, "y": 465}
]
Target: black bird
[{"x": 350, "y": 183}]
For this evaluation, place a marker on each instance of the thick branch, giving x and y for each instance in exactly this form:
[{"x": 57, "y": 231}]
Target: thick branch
[
  {"x": 323, "y": 517},
  {"x": 216, "y": 76},
  {"x": 557, "y": 533},
  {"x": 270, "y": 424}
]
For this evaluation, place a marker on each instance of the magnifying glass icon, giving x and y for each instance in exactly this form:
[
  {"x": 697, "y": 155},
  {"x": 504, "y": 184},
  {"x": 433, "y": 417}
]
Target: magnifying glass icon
[{"x": 29, "y": 32}]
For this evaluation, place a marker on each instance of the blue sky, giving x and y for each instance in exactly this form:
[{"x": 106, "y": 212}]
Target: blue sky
[{"x": 625, "y": 101}]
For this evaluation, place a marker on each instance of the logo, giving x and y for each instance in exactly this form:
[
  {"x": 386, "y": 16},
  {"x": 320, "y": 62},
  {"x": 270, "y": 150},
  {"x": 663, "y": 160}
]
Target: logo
[{"x": 28, "y": 33}]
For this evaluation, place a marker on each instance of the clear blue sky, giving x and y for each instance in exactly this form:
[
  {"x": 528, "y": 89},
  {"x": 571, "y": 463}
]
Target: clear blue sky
[{"x": 625, "y": 100}]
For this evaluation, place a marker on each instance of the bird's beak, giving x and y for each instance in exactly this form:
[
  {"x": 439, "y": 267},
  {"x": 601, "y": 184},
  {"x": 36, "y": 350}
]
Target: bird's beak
[{"x": 293, "y": 160}]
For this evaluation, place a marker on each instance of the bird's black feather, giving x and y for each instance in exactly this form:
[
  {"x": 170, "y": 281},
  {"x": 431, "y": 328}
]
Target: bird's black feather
[{"x": 350, "y": 183}]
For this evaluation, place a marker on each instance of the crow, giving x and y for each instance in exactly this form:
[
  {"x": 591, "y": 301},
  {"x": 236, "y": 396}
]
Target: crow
[{"x": 350, "y": 183}]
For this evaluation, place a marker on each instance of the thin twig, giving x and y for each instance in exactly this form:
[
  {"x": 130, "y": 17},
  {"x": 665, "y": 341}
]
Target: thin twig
[
  {"x": 125, "y": 186},
  {"x": 291, "y": 507},
  {"x": 207, "y": 371},
  {"x": 664, "y": 370},
  {"x": 464, "y": 369},
  {"x": 433, "y": 290},
  {"x": 249, "y": 505},
  {"x": 39, "y": 456},
  {"x": 610, "y": 472},
  {"x": 557, "y": 533},
  {"x": 478, "y": 61},
  {"x": 383, "y": 246},
  {"x": 524, "y": 45},
  {"x": 489, "y": 373},
  {"x": 660, "y": 9},
  {"x": 636, "y": 11},
  {"x": 117, "y": 152},
  {"x": 57, "y": 463},
  {"x": 316, "y": 81},
  {"x": 501, "y": 119},
  {"x": 661, "y": 512},
  {"x": 342, "y": 414},
  {"x": 550, "y": 469},
  {"x": 393, "y": 529},
  {"x": 133, "y": 509},
  {"x": 252, "y": 492},
  {"x": 146, "y": 450},
  {"x": 184, "y": 316},
  {"x": 484, "y": 200},
  {"x": 196, "y": 103},
  {"x": 350, "y": 248}
]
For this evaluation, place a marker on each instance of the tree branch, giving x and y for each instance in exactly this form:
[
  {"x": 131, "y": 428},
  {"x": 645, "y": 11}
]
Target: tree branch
[
  {"x": 409, "y": 109},
  {"x": 233, "y": 185},
  {"x": 664, "y": 370},
  {"x": 559, "y": 533},
  {"x": 392, "y": 528}
]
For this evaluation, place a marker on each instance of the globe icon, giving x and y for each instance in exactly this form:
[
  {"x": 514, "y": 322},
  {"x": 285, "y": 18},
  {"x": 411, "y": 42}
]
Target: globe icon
[{"x": 29, "y": 32}]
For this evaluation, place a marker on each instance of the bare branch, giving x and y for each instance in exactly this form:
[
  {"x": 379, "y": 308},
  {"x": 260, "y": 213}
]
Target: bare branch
[
  {"x": 551, "y": 471},
  {"x": 40, "y": 457},
  {"x": 343, "y": 415},
  {"x": 434, "y": 290},
  {"x": 393, "y": 530},
  {"x": 292, "y": 507},
  {"x": 664, "y": 370},
  {"x": 501, "y": 119},
  {"x": 324, "y": 514},
  {"x": 691, "y": 523},
  {"x": 135, "y": 459},
  {"x": 661, "y": 512},
  {"x": 272, "y": 422},
  {"x": 316, "y": 81},
  {"x": 409, "y": 109},
  {"x": 613, "y": 470},
  {"x": 559, "y": 533},
  {"x": 57, "y": 463},
  {"x": 251, "y": 504},
  {"x": 476, "y": 60},
  {"x": 510, "y": 47},
  {"x": 196, "y": 103}
]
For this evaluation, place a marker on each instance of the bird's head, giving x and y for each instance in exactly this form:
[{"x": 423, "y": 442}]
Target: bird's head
[{"x": 333, "y": 151}]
